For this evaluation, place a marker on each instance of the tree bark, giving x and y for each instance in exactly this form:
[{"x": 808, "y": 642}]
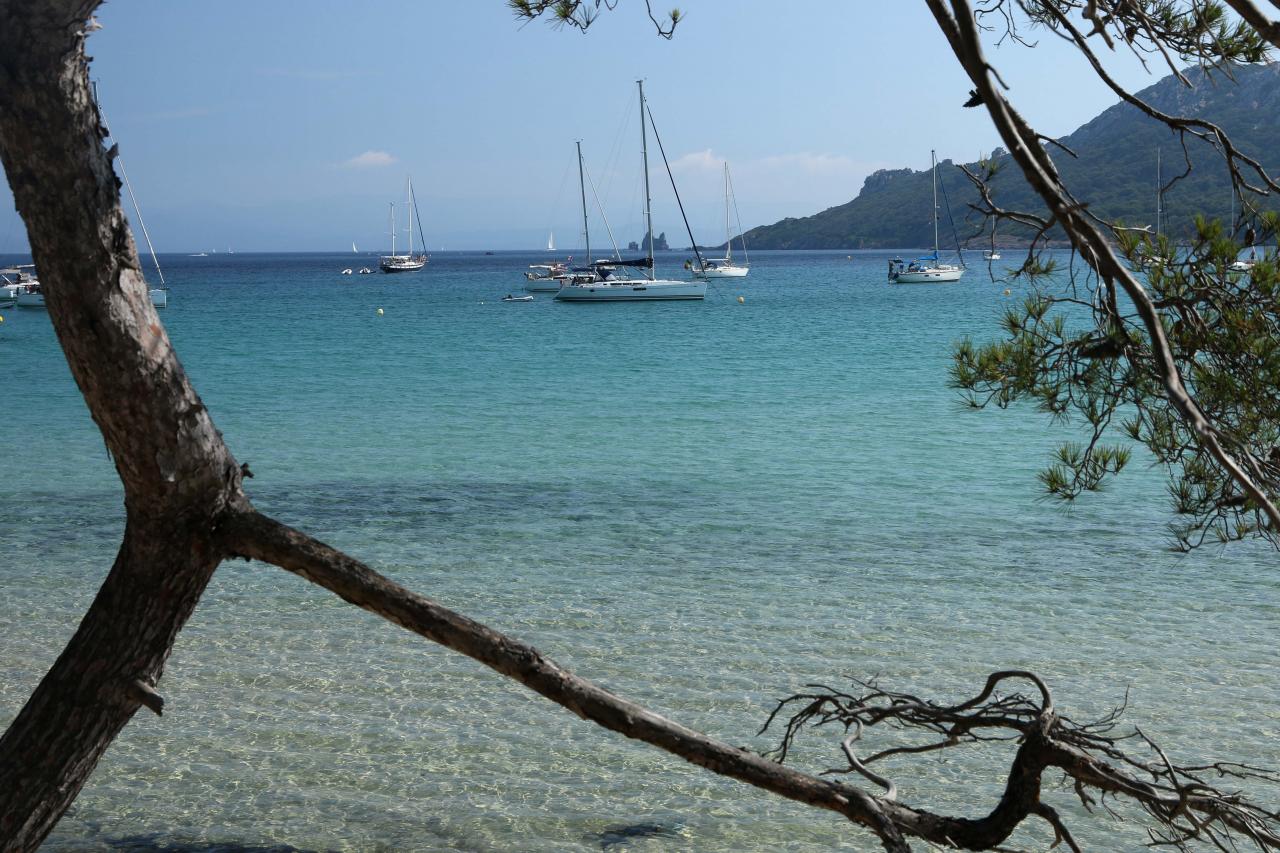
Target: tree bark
[{"x": 178, "y": 476}]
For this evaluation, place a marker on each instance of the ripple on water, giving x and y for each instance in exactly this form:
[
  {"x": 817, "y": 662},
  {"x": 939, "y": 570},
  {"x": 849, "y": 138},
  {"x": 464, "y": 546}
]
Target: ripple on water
[{"x": 702, "y": 507}]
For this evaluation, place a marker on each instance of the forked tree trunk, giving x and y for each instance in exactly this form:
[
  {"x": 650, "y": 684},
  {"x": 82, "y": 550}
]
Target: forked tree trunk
[{"x": 178, "y": 476}]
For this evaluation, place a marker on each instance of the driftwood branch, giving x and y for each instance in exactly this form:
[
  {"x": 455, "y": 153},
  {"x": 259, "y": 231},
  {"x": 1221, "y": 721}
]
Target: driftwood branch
[{"x": 1184, "y": 805}]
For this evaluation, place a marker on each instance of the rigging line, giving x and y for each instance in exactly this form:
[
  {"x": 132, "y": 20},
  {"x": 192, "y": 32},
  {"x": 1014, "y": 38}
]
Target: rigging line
[
  {"x": 701, "y": 263},
  {"x": 102, "y": 117},
  {"x": 555, "y": 208},
  {"x": 734, "y": 195},
  {"x": 615, "y": 151},
  {"x": 604, "y": 218},
  {"x": 954, "y": 233},
  {"x": 422, "y": 235}
]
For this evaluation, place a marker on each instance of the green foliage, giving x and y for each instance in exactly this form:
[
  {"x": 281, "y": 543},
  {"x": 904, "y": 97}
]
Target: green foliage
[{"x": 1077, "y": 351}]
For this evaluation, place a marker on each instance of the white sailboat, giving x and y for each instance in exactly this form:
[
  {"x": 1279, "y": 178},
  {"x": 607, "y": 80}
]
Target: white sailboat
[
  {"x": 725, "y": 267},
  {"x": 926, "y": 270},
  {"x": 354, "y": 250},
  {"x": 408, "y": 262},
  {"x": 547, "y": 278},
  {"x": 551, "y": 241},
  {"x": 643, "y": 289}
]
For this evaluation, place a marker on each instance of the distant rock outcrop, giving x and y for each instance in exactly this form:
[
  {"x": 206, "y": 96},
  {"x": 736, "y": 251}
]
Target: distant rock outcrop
[{"x": 659, "y": 243}]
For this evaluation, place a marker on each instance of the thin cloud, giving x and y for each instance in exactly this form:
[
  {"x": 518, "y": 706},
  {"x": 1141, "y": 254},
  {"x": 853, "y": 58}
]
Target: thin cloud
[
  {"x": 369, "y": 160},
  {"x": 770, "y": 187},
  {"x": 698, "y": 161},
  {"x": 311, "y": 73}
]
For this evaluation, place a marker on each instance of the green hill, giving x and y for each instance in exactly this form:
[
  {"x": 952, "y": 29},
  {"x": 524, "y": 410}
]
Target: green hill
[{"x": 1114, "y": 171}]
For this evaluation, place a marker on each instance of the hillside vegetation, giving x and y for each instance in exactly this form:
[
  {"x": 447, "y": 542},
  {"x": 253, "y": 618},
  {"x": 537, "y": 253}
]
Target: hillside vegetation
[{"x": 1114, "y": 172}]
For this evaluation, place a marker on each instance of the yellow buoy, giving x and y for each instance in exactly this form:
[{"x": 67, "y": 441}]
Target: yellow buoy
[
  {"x": 741, "y": 300},
  {"x": 379, "y": 312}
]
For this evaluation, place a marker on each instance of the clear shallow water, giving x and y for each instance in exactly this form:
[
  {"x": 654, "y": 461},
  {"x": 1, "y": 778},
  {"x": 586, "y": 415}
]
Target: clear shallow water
[{"x": 702, "y": 506}]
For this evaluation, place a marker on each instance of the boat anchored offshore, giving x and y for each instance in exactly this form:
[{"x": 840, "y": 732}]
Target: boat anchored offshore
[
  {"x": 408, "y": 262},
  {"x": 545, "y": 278},
  {"x": 510, "y": 298},
  {"x": 12, "y": 281},
  {"x": 725, "y": 267},
  {"x": 926, "y": 270},
  {"x": 601, "y": 287}
]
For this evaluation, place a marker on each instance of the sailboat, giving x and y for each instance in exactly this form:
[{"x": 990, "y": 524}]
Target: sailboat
[
  {"x": 408, "y": 262},
  {"x": 926, "y": 270},
  {"x": 646, "y": 288},
  {"x": 1144, "y": 258},
  {"x": 547, "y": 278},
  {"x": 551, "y": 241},
  {"x": 354, "y": 250},
  {"x": 725, "y": 267}
]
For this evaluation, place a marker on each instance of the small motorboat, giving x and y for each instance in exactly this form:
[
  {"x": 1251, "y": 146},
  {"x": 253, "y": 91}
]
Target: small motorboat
[
  {"x": 365, "y": 271},
  {"x": 510, "y": 298},
  {"x": 347, "y": 271}
]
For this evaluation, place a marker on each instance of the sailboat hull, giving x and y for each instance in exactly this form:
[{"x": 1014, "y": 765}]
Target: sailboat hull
[
  {"x": 729, "y": 271},
  {"x": 928, "y": 276},
  {"x": 636, "y": 290},
  {"x": 30, "y": 299},
  {"x": 401, "y": 264}
]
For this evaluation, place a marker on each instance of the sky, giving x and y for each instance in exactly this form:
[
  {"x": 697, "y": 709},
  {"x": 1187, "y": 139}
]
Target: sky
[{"x": 290, "y": 126}]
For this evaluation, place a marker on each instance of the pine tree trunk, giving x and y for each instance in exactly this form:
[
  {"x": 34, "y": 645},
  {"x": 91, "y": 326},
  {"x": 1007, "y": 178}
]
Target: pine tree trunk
[{"x": 178, "y": 476}]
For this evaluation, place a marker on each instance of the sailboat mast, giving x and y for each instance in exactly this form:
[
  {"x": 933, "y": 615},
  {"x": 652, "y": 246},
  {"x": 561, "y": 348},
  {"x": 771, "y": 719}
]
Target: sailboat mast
[
  {"x": 644, "y": 153},
  {"x": 582, "y": 187},
  {"x": 728, "y": 235},
  {"x": 1231, "y": 215},
  {"x": 408, "y": 203},
  {"x": 1159, "y": 195},
  {"x": 392, "y": 220},
  {"x": 738, "y": 216},
  {"x": 933, "y": 155}
]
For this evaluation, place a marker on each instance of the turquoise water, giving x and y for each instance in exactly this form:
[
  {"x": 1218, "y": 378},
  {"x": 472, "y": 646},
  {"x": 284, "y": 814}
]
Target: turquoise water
[{"x": 702, "y": 506}]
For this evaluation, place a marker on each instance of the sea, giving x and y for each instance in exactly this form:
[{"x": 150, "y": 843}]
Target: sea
[{"x": 703, "y": 506}]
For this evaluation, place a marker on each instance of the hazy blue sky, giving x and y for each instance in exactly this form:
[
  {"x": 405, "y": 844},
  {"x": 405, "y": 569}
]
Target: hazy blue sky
[{"x": 287, "y": 125}]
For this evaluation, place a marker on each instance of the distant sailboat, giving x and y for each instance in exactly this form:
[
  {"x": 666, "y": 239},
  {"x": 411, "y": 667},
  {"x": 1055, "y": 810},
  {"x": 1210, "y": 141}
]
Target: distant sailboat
[
  {"x": 725, "y": 267},
  {"x": 354, "y": 250},
  {"x": 928, "y": 269},
  {"x": 408, "y": 262},
  {"x": 597, "y": 286}
]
